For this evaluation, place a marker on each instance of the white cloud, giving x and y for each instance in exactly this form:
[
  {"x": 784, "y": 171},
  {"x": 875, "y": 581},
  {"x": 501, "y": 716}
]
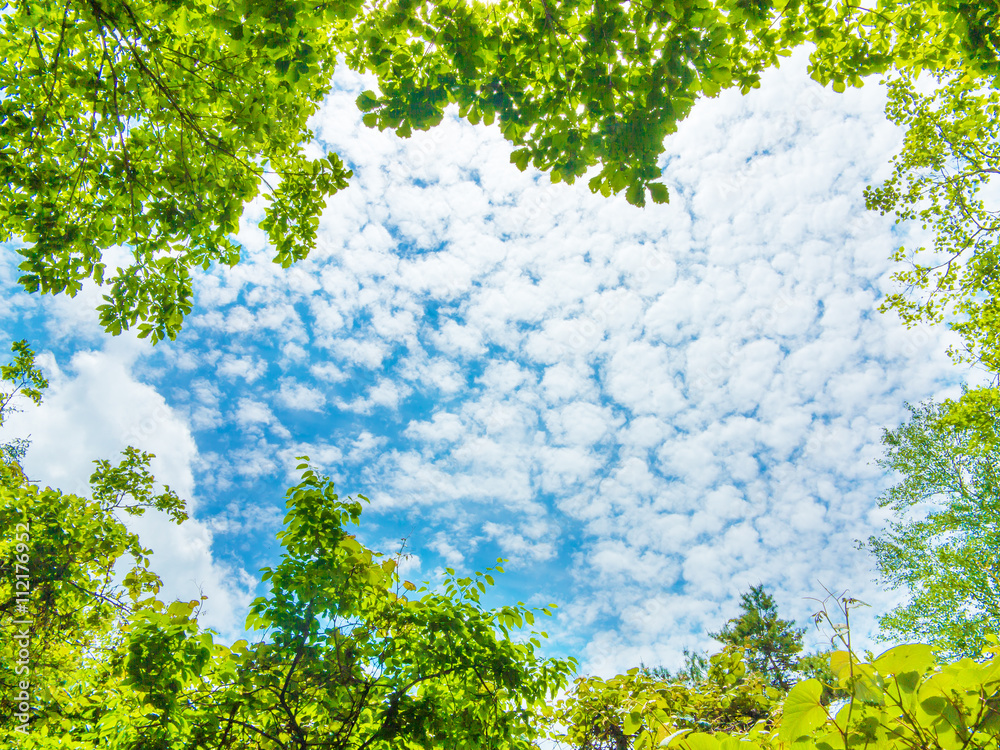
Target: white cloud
[
  {"x": 442, "y": 427},
  {"x": 458, "y": 339},
  {"x": 297, "y": 396},
  {"x": 251, "y": 412},
  {"x": 327, "y": 372},
  {"x": 517, "y": 547},
  {"x": 93, "y": 409},
  {"x": 684, "y": 400},
  {"x": 448, "y": 551},
  {"x": 385, "y": 394},
  {"x": 581, "y": 423},
  {"x": 248, "y": 368},
  {"x": 365, "y": 445},
  {"x": 640, "y": 378}
]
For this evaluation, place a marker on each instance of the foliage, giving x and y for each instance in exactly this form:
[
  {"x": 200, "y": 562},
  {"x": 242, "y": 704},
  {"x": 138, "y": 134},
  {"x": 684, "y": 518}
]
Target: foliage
[
  {"x": 771, "y": 644},
  {"x": 943, "y": 543},
  {"x": 902, "y": 700},
  {"x": 350, "y": 655},
  {"x": 25, "y": 380},
  {"x": 854, "y": 40},
  {"x": 905, "y": 699},
  {"x": 149, "y": 124},
  {"x": 693, "y": 672},
  {"x": 943, "y": 178},
  {"x": 640, "y": 710},
  {"x": 975, "y": 414},
  {"x": 816, "y": 666},
  {"x": 951, "y": 150},
  {"x": 584, "y": 84},
  {"x": 135, "y": 132},
  {"x": 696, "y": 667},
  {"x": 62, "y": 571},
  {"x": 570, "y": 85}
]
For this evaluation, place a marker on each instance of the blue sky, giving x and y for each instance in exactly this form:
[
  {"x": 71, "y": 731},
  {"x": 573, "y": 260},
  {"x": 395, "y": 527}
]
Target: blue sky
[{"x": 645, "y": 410}]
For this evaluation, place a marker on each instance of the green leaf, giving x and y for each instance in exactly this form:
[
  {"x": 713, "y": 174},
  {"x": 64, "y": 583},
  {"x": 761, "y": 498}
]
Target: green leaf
[
  {"x": 802, "y": 711},
  {"x": 520, "y": 158},
  {"x": 700, "y": 741},
  {"x": 632, "y": 722},
  {"x": 675, "y": 737},
  {"x": 841, "y": 663},
  {"x": 911, "y": 657},
  {"x": 659, "y": 193},
  {"x": 636, "y": 195},
  {"x": 367, "y": 100}
]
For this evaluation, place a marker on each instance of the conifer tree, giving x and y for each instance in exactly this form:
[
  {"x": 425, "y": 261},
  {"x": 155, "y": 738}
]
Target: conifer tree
[{"x": 771, "y": 644}]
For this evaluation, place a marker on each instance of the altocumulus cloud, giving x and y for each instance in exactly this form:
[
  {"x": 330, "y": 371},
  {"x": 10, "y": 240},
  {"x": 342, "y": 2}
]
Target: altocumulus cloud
[{"x": 647, "y": 411}]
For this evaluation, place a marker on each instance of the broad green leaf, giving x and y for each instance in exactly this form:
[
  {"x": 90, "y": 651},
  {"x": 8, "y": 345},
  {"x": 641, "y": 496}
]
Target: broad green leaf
[
  {"x": 911, "y": 657},
  {"x": 659, "y": 193},
  {"x": 632, "y": 722},
  {"x": 700, "y": 741},
  {"x": 674, "y": 738},
  {"x": 841, "y": 663},
  {"x": 802, "y": 711}
]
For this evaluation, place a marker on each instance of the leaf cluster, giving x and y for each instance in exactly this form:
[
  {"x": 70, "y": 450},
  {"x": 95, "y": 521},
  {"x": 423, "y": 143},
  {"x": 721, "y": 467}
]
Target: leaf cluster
[
  {"x": 349, "y": 654},
  {"x": 25, "y": 379},
  {"x": 942, "y": 544},
  {"x": 950, "y": 154},
  {"x": 68, "y": 553},
  {"x": 905, "y": 699},
  {"x": 572, "y": 85},
  {"x": 134, "y": 132},
  {"x": 639, "y": 709},
  {"x": 598, "y": 84}
]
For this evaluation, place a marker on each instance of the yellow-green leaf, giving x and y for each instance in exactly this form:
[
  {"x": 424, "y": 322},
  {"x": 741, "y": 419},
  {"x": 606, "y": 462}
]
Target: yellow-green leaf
[
  {"x": 802, "y": 711},
  {"x": 910, "y": 657}
]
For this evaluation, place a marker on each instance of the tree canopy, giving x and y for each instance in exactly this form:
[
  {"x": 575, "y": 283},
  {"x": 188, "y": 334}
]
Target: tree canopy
[
  {"x": 906, "y": 698},
  {"x": 20, "y": 378},
  {"x": 638, "y": 708},
  {"x": 942, "y": 545},
  {"x": 772, "y": 645},
  {"x": 149, "y": 125},
  {"x": 135, "y": 132},
  {"x": 349, "y": 654},
  {"x": 951, "y": 150}
]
